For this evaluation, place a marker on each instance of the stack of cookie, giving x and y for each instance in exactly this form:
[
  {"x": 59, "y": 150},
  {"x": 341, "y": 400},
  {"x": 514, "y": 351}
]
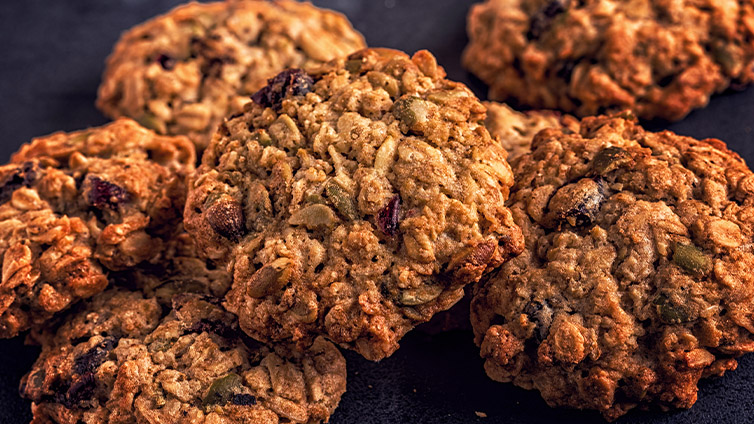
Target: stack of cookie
[{"x": 271, "y": 188}]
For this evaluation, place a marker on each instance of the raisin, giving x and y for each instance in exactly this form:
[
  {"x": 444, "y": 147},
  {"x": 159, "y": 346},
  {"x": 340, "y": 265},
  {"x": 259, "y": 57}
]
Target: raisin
[
  {"x": 577, "y": 204},
  {"x": 81, "y": 389},
  {"x": 104, "y": 194},
  {"x": 94, "y": 357},
  {"x": 541, "y": 20},
  {"x": 167, "y": 62},
  {"x": 539, "y": 313},
  {"x": 225, "y": 217},
  {"x": 23, "y": 176},
  {"x": 291, "y": 82},
  {"x": 243, "y": 399},
  {"x": 388, "y": 217}
]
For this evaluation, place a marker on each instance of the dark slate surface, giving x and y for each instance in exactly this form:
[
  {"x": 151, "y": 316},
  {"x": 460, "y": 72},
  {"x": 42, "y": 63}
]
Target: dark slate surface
[{"x": 53, "y": 55}]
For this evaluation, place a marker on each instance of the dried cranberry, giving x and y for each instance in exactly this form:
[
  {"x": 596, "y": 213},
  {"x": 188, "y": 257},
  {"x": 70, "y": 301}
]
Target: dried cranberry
[
  {"x": 167, "y": 62},
  {"x": 104, "y": 193},
  {"x": 94, "y": 357},
  {"x": 243, "y": 399},
  {"x": 291, "y": 82},
  {"x": 541, "y": 20},
  {"x": 81, "y": 388},
  {"x": 25, "y": 175},
  {"x": 388, "y": 217}
]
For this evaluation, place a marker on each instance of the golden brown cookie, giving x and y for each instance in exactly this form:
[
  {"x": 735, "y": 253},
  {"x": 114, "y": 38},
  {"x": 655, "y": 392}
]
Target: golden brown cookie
[
  {"x": 354, "y": 202},
  {"x": 73, "y": 203},
  {"x": 183, "y": 72},
  {"x": 636, "y": 278},
  {"x": 660, "y": 58},
  {"x": 125, "y": 358}
]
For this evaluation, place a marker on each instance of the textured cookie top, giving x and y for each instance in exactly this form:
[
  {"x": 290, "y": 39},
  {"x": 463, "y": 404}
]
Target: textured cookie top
[
  {"x": 659, "y": 58},
  {"x": 516, "y": 130},
  {"x": 355, "y": 201},
  {"x": 636, "y": 278},
  {"x": 122, "y": 359},
  {"x": 72, "y": 202},
  {"x": 183, "y": 72}
]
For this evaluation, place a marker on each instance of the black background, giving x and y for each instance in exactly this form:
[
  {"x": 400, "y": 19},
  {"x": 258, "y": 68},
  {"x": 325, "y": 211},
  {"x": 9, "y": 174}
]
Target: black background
[{"x": 53, "y": 53}]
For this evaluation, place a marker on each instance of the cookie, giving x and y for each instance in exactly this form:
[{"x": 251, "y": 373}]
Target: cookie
[
  {"x": 125, "y": 358},
  {"x": 353, "y": 202},
  {"x": 75, "y": 204},
  {"x": 661, "y": 59},
  {"x": 636, "y": 278},
  {"x": 515, "y": 130},
  {"x": 183, "y": 72}
]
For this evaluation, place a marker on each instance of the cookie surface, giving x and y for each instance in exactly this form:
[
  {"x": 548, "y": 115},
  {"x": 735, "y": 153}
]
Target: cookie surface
[
  {"x": 354, "y": 202},
  {"x": 635, "y": 281},
  {"x": 183, "y": 72},
  {"x": 127, "y": 358},
  {"x": 661, "y": 59},
  {"x": 515, "y": 130},
  {"x": 74, "y": 204}
]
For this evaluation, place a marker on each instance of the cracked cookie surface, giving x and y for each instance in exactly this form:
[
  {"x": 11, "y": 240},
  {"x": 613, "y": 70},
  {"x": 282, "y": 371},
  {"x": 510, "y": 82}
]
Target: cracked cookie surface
[
  {"x": 636, "y": 278},
  {"x": 75, "y": 204},
  {"x": 127, "y": 358},
  {"x": 515, "y": 130},
  {"x": 661, "y": 59},
  {"x": 354, "y": 202},
  {"x": 183, "y": 72}
]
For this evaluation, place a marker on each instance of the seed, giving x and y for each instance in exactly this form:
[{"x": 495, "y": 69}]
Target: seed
[
  {"x": 420, "y": 295},
  {"x": 690, "y": 258},
  {"x": 270, "y": 278},
  {"x": 223, "y": 390},
  {"x": 314, "y": 216},
  {"x": 670, "y": 313},
  {"x": 341, "y": 199},
  {"x": 609, "y": 159},
  {"x": 410, "y": 110}
]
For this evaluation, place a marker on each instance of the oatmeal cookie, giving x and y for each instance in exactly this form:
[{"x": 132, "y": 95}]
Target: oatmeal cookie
[
  {"x": 515, "y": 130},
  {"x": 71, "y": 203},
  {"x": 183, "y": 72},
  {"x": 179, "y": 269},
  {"x": 355, "y": 201},
  {"x": 123, "y": 359},
  {"x": 660, "y": 58},
  {"x": 636, "y": 278}
]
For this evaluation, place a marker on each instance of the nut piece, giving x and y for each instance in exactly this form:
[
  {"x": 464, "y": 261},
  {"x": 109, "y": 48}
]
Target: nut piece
[
  {"x": 270, "y": 278},
  {"x": 226, "y": 218}
]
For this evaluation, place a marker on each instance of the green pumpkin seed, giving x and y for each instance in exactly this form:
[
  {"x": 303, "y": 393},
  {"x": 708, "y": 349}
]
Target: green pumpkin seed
[
  {"x": 222, "y": 390},
  {"x": 342, "y": 200},
  {"x": 690, "y": 258}
]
